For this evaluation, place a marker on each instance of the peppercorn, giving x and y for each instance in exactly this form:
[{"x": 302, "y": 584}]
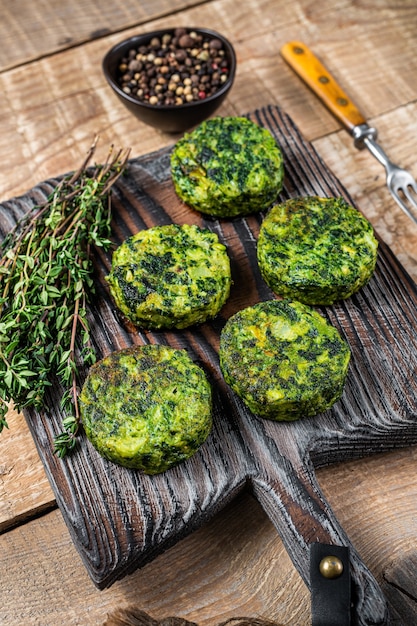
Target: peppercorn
[{"x": 174, "y": 69}]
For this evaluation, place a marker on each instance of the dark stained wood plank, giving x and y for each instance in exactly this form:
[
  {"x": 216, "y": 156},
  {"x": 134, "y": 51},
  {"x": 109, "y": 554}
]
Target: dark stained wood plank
[
  {"x": 400, "y": 586},
  {"x": 235, "y": 565},
  {"x": 139, "y": 516},
  {"x": 51, "y": 110}
]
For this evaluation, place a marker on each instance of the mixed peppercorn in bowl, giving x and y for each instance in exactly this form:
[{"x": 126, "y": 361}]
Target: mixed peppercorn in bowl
[{"x": 172, "y": 79}]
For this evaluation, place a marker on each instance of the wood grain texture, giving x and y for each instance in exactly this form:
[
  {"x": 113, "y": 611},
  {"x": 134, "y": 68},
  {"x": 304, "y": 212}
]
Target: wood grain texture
[
  {"x": 31, "y": 30},
  {"x": 374, "y": 501},
  {"x": 24, "y": 473},
  {"x": 365, "y": 179},
  {"x": 50, "y": 112},
  {"x": 234, "y": 565},
  {"x": 119, "y": 519},
  {"x": 399, "y": 578}
]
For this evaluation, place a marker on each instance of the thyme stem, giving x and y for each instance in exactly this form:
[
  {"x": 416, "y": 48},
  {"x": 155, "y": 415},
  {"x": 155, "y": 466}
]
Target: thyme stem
[{"x": 45, "y": 282}]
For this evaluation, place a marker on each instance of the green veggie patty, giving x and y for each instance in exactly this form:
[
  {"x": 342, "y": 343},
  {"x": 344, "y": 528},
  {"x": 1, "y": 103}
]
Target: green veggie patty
[
  {"x": 170, "y": 276},
  {"x": 316, "y": 250},
  {"x": 227, "y": 166},
  {"x": 146, "y": 407},
  {"x": 283, "y": 359}
]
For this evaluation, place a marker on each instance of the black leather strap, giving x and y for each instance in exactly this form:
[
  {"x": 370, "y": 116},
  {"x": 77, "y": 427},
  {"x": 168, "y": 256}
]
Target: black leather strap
[{"x": 330, "y": 585}]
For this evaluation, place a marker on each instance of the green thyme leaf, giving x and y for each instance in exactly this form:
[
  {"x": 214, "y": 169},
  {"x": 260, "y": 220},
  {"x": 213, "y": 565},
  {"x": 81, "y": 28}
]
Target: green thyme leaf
[{"x": 45, "y": 281}]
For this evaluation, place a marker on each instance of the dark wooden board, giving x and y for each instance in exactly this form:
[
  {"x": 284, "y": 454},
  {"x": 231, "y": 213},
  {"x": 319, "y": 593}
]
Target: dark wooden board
[{"x": 121, "y": 519}]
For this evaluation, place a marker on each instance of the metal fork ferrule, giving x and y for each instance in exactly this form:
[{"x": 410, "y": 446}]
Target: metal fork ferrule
[{"x": 362, "y": 132}]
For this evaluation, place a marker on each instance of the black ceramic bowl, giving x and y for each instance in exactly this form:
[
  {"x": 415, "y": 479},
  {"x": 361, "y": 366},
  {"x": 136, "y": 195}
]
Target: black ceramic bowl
[{"x": 171, "y": 118}]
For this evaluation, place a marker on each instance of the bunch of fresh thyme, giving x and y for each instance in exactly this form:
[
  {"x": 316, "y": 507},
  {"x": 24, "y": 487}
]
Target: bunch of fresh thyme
[{"x": 45, "y": 282}]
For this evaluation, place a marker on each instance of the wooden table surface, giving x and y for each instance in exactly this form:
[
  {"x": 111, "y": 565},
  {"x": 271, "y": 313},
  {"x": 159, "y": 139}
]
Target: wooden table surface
[{"x": 54, "y": 101}]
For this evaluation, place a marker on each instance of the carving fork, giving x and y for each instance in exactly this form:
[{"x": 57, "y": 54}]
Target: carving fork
[{"x": 400, "y": 183}]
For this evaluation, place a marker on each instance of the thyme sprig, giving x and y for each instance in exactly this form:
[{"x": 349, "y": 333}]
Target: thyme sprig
[{"x": 46, "y": 279}]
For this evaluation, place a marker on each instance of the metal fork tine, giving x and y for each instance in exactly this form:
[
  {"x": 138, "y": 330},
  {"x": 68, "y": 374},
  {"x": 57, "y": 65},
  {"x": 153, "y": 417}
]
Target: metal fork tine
[
  {"x": 411, "y": 192},
  {"x": 399, "y": 181},
  {"x": 401, "y": 202}
]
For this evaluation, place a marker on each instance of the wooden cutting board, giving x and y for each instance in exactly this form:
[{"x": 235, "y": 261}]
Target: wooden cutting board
[{"x": 120, "y": 519}]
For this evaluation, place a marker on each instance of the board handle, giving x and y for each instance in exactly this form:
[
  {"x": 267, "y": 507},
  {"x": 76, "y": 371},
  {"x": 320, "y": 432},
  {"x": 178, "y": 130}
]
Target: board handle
[
  {"x": 290, "y": 495},
  {"x": 318, "y": 78}
]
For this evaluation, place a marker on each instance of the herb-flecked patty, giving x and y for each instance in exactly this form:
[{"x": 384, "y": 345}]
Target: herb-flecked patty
[
  {"x": 316, "y": 250},
  {"x": 227, "y": 166},
  {"x": 283, "y": 359},
  {"x": 170, "y": 276},
  {"x": 146, "y": 407}
]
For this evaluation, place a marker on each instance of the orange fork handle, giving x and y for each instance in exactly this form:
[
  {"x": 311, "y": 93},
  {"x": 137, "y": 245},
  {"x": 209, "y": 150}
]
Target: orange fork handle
[{"x": 319, "y": 79}]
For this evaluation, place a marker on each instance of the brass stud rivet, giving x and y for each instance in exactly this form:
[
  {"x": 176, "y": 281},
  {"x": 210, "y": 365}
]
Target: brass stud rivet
[
  {"x": 324, "y": 80},
  {"x": 331, "y": 567}
]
